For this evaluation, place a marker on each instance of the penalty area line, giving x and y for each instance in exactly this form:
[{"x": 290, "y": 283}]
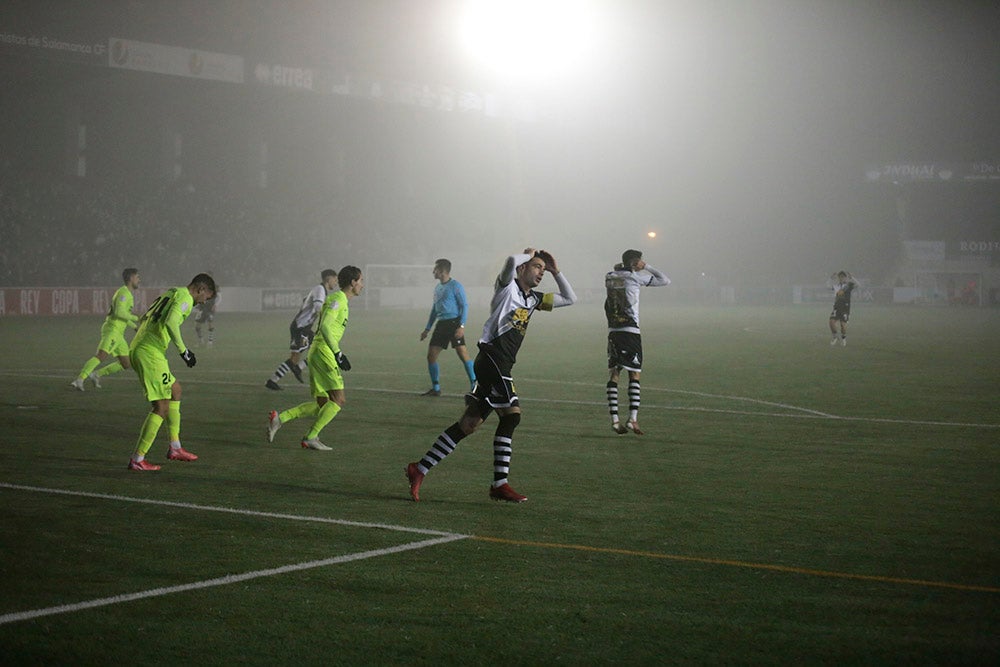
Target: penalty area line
[
  {"x": 224, "y": 581},
  {"x": 788, "y": 569}
]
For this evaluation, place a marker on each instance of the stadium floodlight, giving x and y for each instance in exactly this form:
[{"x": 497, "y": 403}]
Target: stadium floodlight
[{"x": 529, "y": 41}]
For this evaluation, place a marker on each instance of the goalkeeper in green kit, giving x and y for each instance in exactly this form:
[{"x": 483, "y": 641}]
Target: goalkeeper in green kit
[
  {"x": 113, "y": 343},
  {"x": 158, "y": 327}
]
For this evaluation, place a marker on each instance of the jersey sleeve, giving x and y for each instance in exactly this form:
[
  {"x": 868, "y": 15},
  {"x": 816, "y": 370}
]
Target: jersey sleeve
[
  {"x": 565, "y": 297},
  {"x": 123, "y": 311},
  {"x": 175, "y": 317},
  {"x": 463, "y": 303},
  {"x": 657, "y": 278},
  {"x": 331, "y": 326}
]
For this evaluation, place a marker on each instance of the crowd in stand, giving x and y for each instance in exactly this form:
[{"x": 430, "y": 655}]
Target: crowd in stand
[{"x": 66, "y": 231}]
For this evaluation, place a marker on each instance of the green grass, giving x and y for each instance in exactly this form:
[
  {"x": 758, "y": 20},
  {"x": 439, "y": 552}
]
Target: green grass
[{"x": 790, "y": 503}]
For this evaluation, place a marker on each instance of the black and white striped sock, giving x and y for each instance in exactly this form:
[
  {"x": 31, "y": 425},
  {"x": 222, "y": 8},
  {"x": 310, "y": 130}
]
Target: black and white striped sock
[
  {"x": 613, "y": 401},
  {"x": 442, "y": 447},
  {"x": 633, "y": 400}
]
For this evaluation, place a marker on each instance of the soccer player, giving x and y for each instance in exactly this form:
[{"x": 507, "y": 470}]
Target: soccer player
[
  {"x": 206, "y": 315},
  {"x": 301, "y": 330},
  {"x": 450, "y": 310},
  {"x": 158, "y": 327},
  {"x": 326, "y": 361},
  {"x": 112, "y": 341},
  {"x": 842, "y": 284},
  {"x": 514, "y": 302},
  {"x": 621, "y": 307}
]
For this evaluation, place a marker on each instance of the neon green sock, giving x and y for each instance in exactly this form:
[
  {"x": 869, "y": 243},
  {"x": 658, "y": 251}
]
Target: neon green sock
[
  {"x": 110, "y": 369},
  {"x": 325, "y": 416},
  {"x": 89, "y": 367},
  {"x": 147, "y": 435},
  {"x": 174, "y": 420},
  {"x": 310, "y": 409}
]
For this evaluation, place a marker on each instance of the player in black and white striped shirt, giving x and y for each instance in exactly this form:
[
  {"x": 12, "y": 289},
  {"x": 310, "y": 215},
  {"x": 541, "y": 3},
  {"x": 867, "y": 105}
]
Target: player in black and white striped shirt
[
  {"x": 624, "y": 342},
  {"x": 300, "y": 330},
  {"x": 514, "y": 302}
]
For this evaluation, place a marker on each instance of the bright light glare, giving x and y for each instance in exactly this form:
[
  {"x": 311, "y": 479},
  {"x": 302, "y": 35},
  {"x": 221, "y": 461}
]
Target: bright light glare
[
  {"x": 651, "y": 235},
  {"x": 529, "y": 40}
]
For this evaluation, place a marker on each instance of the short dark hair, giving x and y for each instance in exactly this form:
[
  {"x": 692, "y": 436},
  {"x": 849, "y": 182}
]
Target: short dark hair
[
  {"x": 630, "y": 256},
  {"x": 326, "y": 274},
  {"x": 443, "y": 264},
  {"x": 128, "y": 273},
  {"x": 204, "y": 280},
  {"x": 348, "y": 275}
]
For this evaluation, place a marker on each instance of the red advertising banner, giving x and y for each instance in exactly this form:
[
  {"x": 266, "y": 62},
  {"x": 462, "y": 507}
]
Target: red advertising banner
[{"x": 37, "y": 301}]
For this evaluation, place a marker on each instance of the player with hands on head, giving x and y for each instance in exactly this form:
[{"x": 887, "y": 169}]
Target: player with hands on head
[
  {"x": 326, "y": 361},
  {"x": 621, "y": 307},
  {"x": 158, "y": 327},
  {"x": 450, "y": 310},
  {"x": 515, "y": 300},
  {"x": 843, "y": 284}
]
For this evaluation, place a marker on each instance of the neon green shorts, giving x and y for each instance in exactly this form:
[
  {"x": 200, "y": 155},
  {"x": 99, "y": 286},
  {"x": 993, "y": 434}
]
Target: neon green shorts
[
  {"x": 154, "y": 372},
  {"x": 324, "y": 375},
  {"x": 113, "y": 342}
]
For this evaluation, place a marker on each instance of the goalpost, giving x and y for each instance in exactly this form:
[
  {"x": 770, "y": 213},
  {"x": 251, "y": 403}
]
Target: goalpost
[{"x": 398, "y": 285}]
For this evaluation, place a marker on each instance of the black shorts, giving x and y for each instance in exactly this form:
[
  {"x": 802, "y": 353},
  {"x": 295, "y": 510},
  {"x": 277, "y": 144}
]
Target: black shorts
[
  {"x": 301, "y": 338},
  {"x": 494, "y": 387},
  {"x": 841, "y": 314},
  {"x": 444, "y": 334},
  {"x": 625, "y": 350},
  {"x": 204, "y": 316}
]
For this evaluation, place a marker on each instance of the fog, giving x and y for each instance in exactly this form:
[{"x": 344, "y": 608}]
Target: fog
[{"x": 739, "y": 132}]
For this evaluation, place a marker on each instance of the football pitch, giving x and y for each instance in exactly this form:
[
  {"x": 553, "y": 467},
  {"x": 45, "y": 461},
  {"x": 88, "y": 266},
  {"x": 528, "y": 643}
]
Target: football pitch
[{"x": 789, "y": 503}]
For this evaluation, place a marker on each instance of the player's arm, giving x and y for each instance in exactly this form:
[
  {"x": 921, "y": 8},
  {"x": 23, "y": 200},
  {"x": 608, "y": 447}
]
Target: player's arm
[
  {"x": 431, "y": 319},
  {"x": 331, "y": 327},
  {"x": 173, "y": 321},
  {"x": 566, "y": 296},
  {"x": 122, "y": 310},
  {"x": 463, "y": 304},
  {"x": 328, "y": 328},
  {"x": 658, "y": 279}
]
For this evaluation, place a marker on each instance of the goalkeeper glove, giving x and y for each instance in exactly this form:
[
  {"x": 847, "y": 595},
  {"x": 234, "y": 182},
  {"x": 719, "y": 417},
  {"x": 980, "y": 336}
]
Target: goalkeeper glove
[
  {"x": 342, "y": 361},
  {"x": 188, "y": 357}
]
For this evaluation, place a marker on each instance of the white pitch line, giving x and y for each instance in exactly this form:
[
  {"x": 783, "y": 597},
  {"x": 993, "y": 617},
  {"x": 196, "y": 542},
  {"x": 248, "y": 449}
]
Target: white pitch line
[
  {"x": 229, "y": 510},
  {"x": 800, "y": 413},
  {"x": 442, "y": 538},
  {"x": 222, "y": 581}
]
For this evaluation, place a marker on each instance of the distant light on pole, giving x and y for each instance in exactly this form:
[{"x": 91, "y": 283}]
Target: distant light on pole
[{"x": 651, "y": 235}]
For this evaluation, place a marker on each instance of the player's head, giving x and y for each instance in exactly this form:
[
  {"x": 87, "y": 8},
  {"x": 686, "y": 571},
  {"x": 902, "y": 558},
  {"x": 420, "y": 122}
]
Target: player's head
[
  {"x": 530, "y": 273},
  {"x": 442, "y": 268},
  {"x": 128, "y": 274},
  {"x": 842, "y": 275},
  {"x": 350, "y": 280},
  {"x": 630, "y": 258},
  {"x": 202, "y": 287},
  {"x": 327, "y": 274}
]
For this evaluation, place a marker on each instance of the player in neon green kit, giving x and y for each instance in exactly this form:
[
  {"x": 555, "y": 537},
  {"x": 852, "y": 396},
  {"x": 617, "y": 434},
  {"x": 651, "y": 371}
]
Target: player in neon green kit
[
  {"x": 113, "y": 342},
  {"x": 325, "y": 361},
  {"x": 160, "y": 325}
]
